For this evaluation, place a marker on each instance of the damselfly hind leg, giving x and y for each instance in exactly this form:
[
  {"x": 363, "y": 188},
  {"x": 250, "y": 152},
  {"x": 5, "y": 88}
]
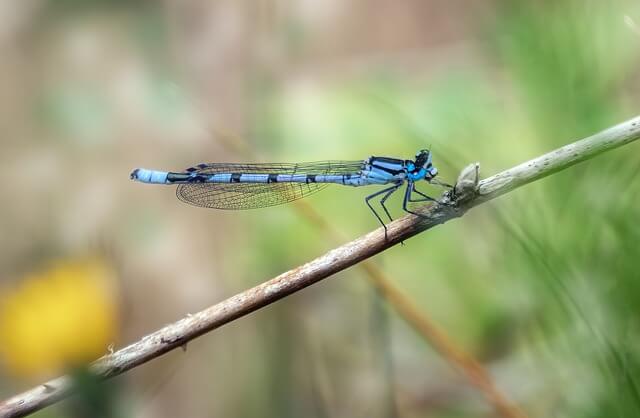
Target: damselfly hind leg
[
  {"x": 388, "y": 191},
  {"x": 384, "y": 199}
]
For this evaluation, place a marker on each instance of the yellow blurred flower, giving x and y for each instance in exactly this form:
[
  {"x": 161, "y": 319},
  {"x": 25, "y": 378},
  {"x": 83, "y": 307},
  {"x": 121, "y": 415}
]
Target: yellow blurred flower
[{"x": 59, "y": 318}]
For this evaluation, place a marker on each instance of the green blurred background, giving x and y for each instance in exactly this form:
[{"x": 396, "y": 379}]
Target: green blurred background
[{"x": 542, "y": 285}]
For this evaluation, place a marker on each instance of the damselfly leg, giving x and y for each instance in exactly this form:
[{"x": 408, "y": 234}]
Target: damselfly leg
[
  {"x": 411, "y": 187},
  {"x": 441, "y": 183},
  {"x": 384, "y": 199},
  {"x": 425, "y": 197},
  {"x": 387, "y": 192}
]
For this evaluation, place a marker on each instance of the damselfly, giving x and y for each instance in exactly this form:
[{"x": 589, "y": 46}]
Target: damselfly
[{"x": 248, "y": 186}]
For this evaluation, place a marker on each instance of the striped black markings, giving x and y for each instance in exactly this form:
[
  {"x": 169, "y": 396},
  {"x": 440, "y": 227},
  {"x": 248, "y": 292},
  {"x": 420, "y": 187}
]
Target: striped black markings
[
  {"x": 311, "y": 178},
  {"x": 235, "y": 177},
  {"x": 181, "y": 177},
  {"x": 392, "y": 166},
  {"x": 273, "y": 178},
  {"x": 388, "y": 170},
  {"x": 387, "y": 160},
  {"x": 346, "y": 177}
]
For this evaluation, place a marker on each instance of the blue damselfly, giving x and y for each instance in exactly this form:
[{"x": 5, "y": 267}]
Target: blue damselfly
[{"x": 248, "y": 186}]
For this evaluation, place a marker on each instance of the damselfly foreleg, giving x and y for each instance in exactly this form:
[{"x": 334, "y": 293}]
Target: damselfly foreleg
[
  {"x": 440, "y": 183},
  {"x": 411, "y": 187},
  {"x": 425, "y": 197}
]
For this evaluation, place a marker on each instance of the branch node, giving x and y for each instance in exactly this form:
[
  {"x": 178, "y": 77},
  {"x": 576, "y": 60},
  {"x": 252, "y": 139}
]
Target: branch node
[{"x": 466, "y": 187}]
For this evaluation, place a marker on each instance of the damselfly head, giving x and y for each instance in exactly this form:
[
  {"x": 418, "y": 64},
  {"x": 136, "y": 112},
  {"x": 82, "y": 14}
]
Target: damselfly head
[{"x": 424, "y": 160}]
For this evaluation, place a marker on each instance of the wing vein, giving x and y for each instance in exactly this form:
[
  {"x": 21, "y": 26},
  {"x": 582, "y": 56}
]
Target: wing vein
[{"x": 256, "y": 195}]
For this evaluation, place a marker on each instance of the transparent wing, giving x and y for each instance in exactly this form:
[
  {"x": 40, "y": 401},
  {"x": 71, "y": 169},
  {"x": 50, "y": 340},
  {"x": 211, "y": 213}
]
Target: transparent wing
[{"x": 258, "y": 195}]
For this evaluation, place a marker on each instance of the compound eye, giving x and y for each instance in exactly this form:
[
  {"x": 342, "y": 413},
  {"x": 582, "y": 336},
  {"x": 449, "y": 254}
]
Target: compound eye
[{"x": 429, "y": 158}]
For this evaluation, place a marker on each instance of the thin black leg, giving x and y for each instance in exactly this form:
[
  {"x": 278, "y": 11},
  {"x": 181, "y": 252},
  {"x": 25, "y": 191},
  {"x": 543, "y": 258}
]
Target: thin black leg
[
  {"x": 440, "y": 183},
  {"x": 388, "y": 190},
  {"x": 407, "y": 199},
  {"x": 384, "y": 199},
  {"x": 425, "y": 197}
]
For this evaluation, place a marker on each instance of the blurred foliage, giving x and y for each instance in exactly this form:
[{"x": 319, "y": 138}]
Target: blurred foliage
[{"x": 541, "y": 285}]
